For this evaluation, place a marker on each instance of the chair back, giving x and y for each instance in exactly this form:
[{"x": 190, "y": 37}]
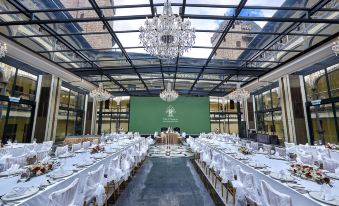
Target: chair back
[
  {"x": 76, "y": 147},
  {"x": 330, "y": 164},
  {"x": 272, "y": 197},
  {"x": 61, "y": 150},
  {"x": 65, "y": 196},
  {"x": 86, "y": 145}
]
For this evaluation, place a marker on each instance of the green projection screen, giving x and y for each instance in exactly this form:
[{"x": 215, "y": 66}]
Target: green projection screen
[{"x": 149, "y": 114}]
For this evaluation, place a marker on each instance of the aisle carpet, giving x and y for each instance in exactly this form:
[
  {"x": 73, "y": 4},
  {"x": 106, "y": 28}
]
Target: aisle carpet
[{"x": 166, "y": 182}]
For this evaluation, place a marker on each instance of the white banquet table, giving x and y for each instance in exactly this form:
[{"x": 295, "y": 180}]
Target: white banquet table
[
  {"x": 275, "y": 166},
  {"x": 41, "y": 198}
]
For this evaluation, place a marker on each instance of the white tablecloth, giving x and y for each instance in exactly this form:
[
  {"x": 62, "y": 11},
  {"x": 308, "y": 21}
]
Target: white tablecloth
[
  {"x": 298, "y": 199},
  {"x": 41, "y": 198}
]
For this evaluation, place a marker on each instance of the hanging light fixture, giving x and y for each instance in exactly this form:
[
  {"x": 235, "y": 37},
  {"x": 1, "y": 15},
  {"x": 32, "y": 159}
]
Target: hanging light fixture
[
  {"x": 100, "y": 94},
  {"x": 335, "y": 47},
  {"x": 239, "y": 94},
  {"x": 3, "y": 49},
  {"x": 169, "y": 95},
  {"x": 167, "y": 36}
]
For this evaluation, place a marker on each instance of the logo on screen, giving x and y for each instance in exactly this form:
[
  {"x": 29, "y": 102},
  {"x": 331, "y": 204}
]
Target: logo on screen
[{"x": 170, "y": 111}]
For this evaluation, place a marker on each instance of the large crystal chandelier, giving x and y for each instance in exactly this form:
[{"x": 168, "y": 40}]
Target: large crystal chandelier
[
  {"x": 239, "y": 94},
  {"x": 3, "y": 49},
  {"x": 100, "y": 94},
  {"x": 169, "y": 95},
  {"x": 167, "y": 36},
  {"x": 335, "y": 47}
]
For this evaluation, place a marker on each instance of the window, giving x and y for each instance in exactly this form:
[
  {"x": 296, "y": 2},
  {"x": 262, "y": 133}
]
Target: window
[
  {"x": 238, "y": 44},
  {"x": 71, "y": 113}
]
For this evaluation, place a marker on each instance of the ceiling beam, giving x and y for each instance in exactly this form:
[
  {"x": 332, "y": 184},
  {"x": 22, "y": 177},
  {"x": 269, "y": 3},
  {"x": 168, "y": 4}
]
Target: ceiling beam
[
  {"x": 191, "y": 16},
  {"x": 222, "y": 36},
  {"x": 20, "y": 7},
  {"x": 114, "y": 37}
]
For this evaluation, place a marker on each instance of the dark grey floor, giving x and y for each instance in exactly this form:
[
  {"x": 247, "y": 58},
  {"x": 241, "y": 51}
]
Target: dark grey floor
[{"x": 166, "y": 182}]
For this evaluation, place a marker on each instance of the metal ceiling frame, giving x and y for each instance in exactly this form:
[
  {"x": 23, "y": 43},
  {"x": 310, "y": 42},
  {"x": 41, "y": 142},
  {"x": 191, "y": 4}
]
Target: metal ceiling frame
[{"x": 225, "y": 67}]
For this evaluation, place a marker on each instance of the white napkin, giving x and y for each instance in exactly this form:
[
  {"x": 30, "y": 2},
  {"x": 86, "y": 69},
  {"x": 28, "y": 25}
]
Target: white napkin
[
  {"x": 276, "y": 153},
  {"x": 336, "y": 171},
  {"x": 326, "y": 193},
  {"x": 45, "y": 160},
  {"x": 13, "y": 169}
]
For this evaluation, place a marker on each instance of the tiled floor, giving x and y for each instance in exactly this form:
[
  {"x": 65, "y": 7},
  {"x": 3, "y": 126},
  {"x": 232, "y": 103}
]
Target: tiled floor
[{"x": 166, "y": 182}]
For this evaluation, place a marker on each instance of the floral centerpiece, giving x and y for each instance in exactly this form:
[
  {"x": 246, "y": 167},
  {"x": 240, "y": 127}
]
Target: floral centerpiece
[
  {"x": 245, "y": 150},
  {"x": 36, "y": 170},
  {"x": 97, "y": 148},
  {"x": 310, "y": 173},
  {"x": 332, "y": 146}
]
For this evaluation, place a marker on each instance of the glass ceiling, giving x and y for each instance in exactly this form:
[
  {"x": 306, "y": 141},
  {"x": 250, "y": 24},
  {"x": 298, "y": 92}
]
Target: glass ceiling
[{"x": 231, "y": 47}]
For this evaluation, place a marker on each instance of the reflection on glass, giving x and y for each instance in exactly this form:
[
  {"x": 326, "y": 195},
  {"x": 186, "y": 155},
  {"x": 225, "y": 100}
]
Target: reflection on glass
[
  {"x": 18, "y": 126},
  {"x": 7, "y": 74},
  {"x": 316, "y": 86},
  {"x": 25, "y": 86},
  {"x": 323, "y": 124},
  {"x": 333, "y": 75}
]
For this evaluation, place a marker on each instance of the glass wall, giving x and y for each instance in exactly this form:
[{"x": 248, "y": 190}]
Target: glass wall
[
  {"x": 322, "y": 104},
  {"x": 223, "y": 115},
  {"x": 268, "y": 111},
  {"x": 71, "y": 113},
  {"x": 113, "y": 115},
  {"x": 17, "y": 103}
]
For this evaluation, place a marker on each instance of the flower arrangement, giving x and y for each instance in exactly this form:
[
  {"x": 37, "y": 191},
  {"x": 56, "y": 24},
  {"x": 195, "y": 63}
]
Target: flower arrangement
[
  {"x": 332, "y": 146},
  {"x": 37, "y": 170},
  {"x": 310, "y": 173},
  {"x": 245, "y": 150},
  {"x": 97, "y": 148}
]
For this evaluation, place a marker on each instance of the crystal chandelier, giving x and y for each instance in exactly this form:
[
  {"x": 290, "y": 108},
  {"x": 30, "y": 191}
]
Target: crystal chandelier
[
  {"x": 239, "y": 94},
  {"x": 335, "y": 47},
  {"x": 3, "y": 49},
  {"x": 167, "y": 36},
  {"x": 100, "y": 94},
  {"x": 169, "y": 95}
]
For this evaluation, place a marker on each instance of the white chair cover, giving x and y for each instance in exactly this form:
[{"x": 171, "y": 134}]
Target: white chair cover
[
  {"x": 76, "y": 147},
  {"x": 20, "y": 160},
  {"x": 114, "y": 173},
  {"x": 40, "y": 155},
  {"x": 271, "y": 197},
  {"x": 306, "y": 159},
  {"x": 95, "y": 142},
  {"x": 66, "y": 196},
  {"x": 94, "y": 186},
  {"x": 86, "y": 145},
  {"x": 61, "y": 150},
  {"x": 330, "y": 164}
]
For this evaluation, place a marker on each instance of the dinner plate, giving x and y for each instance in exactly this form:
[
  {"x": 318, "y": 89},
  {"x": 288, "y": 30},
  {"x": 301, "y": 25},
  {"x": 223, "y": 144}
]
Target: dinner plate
[
  {"x": 317, "y": 196},
  {"x": 332, "y": 175},
  {"x": 286, "y": 178},
  {"x": 6, "y": 173},
  {"x": 258, "y": 166},
  {"x": 80, "y": 151},
  {"x": 60, "y": 174},
  {"x": 84, "y": 163},
  {"x": 65, "y": 155},
  {"x": 20, "y": 193}
]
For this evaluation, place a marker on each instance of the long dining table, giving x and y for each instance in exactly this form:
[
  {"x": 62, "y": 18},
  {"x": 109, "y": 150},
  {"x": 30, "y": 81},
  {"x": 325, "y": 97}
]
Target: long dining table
[
  {"x": 275, "y": 166},
  {"x": 8, "y": 184}
]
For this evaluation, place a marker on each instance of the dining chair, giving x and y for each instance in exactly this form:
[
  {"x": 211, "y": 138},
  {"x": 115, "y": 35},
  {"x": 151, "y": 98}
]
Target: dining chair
[
  {"x": 40, "y": 155},
  {"x": 76, "y": 147},
  {"x": 66, "y": 196},
  {"x": 306, "y": 159},
  {"x": 94, "y": 191},
  {"x": 254, "y": 146},
  {"x": 95, "y": 142},
  {"x": 61, "y": 150},
  {"x": 267, "y": 148},
  {"x": 20, "y": 160},
  {"x": 272, "y": 197},
  {"x": 330, "y": 164},
  {"x": 86, "y": 144},
  {"x": 281, "y": 151}
]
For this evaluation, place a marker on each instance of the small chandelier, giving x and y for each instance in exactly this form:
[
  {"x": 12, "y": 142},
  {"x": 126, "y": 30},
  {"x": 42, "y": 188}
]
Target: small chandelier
[
  {"x": 100, "y": 94},
  {"x": 169, "y": 95},
  {"x": 167, "y": 36},
  {"x": 335, "y": 47},
  {"x": 3, "y": 49},
  {"x": 239, "y": 94}
]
